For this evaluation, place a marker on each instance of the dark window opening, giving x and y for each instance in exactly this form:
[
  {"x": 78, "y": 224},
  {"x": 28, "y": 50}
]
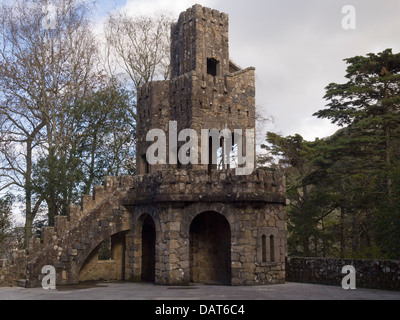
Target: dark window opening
[
  {"x": 264, "y": 248},
  {"x": 212, "y": 66},
  {"x": 148, "y": 250},
  {"x": 211, "y": 151},
  {"x": 144, "y": 166},
  {"x": 272, "y": 246}
]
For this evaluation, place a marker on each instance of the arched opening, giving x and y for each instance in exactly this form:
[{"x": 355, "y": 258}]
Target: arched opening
[
  {"x": 106, "y": 261},
  {"x": 210, "y": 249},
  {"x": 148, "y": 249}
]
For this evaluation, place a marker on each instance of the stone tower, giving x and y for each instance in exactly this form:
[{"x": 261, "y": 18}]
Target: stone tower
[
  {"x": 222, "y": 227},
  {"x": 176, "y": 223},
  {"x": 206, "y": 90}
]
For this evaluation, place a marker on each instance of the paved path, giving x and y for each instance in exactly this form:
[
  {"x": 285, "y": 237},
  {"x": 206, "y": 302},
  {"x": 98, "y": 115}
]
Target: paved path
[{"x": 146, "y": 291}]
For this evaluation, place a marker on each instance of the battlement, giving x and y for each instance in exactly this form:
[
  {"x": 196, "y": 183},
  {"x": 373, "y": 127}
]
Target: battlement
[
  {"x": 63, "y": 224},
  {"x": 206, "y": 14},
  {"x": 200, "y": 42},
  {"x": 197, "y": 185}
]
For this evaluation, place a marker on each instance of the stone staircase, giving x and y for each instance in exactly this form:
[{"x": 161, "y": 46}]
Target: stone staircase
[{"x": 67, "y": 245}]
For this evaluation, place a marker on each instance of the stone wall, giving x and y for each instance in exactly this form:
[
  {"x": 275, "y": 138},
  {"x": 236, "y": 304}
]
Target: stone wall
[
  {"x": 198, "y": 186},
  {"x": 94, "y": 269},
  {"x": 252, "y": 207},
  {"x": 11, "y": 271},
  {"x": 373, "y": 274}
]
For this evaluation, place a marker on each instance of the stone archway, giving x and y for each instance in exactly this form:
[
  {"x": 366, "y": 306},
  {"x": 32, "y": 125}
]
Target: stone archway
[
  {"x": 108, "y": 268},
  {"x": 210, "y": 249}
]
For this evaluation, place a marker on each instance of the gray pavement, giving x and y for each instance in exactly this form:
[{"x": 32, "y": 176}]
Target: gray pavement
[{"x": 147, "y": 291}]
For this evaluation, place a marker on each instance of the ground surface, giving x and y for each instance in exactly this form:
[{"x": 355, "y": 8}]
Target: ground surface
[{"x": 147, "y": 291}]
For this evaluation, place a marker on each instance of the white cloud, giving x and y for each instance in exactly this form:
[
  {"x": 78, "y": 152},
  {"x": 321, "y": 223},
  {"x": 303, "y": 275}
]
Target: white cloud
[
  {"x": 297, "y": 48},
  {"x": 147, "y": 7}
]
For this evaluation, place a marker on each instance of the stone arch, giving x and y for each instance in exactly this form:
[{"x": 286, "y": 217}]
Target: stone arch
[
  {"x": 139, "y": 214},
  {"x": 190, "y": 213},
  {"x": 210, "y": 249},
  {"x": 144, "y": 251},
  {"x": 91, "y": 242},
  {"x": 148, "y": 249},
  {"x": 112, "y": 268}
]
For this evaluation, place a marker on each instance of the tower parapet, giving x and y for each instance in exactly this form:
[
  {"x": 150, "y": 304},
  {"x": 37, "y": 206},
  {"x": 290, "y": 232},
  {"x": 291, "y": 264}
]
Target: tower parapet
[{"x": 200, "y": 42}]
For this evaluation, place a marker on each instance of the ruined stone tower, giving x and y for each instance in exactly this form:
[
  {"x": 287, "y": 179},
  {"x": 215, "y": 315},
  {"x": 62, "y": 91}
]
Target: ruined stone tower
[
  {"x": 206, "y": 90},
  {"x": 219, "y": 227},
  {"x": 172, "y": 223}
]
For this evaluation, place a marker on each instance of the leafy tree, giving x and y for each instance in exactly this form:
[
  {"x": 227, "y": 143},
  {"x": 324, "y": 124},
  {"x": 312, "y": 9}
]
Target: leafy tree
[
  {"x": 42, "y": 72},
  {"x": 368, "y": 105},
  {"x": 104, "y": 130},
  {"x": 65, "y": 122},
  {"x": 294, "y": 157}
]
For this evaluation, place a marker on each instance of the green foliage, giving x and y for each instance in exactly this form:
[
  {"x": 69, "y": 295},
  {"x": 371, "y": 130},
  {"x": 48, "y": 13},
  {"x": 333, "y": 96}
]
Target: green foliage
[
  {"x": 344, "y": 190},
  {"x": 387, "y": 222},
  {"x": 102, "y": 131},
  {"x": 5, "y": 222}
]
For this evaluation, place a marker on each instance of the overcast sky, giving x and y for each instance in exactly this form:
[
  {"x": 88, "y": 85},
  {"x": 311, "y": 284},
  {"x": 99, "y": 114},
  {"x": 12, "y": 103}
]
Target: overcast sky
[{"x": 296, "y": 46}]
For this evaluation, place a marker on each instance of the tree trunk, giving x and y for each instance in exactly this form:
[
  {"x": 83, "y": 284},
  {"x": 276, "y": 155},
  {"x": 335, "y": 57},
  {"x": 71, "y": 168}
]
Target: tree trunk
[
  {"x": 342, "y": 236},
  {"x": 29, "y": 217}
]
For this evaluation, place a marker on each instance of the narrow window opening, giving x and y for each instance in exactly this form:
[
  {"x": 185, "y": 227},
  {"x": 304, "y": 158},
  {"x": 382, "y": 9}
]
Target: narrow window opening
[
  {"x": 144, "y": 166},
  {"x": 212, "y": 66},
  {"x": 264, "y": 248},
  {"x": 221, "y": 155},
  {"x": 211, "y": 166},
  {"x": 271, "y": 249}
]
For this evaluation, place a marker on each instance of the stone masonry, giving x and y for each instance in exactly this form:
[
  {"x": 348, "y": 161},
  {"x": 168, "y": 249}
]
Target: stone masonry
[{"x": 178, "y": 224}]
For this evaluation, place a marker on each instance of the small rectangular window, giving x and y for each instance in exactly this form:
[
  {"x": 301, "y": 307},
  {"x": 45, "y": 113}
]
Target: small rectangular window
[{"x": 212, "y": 66}]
